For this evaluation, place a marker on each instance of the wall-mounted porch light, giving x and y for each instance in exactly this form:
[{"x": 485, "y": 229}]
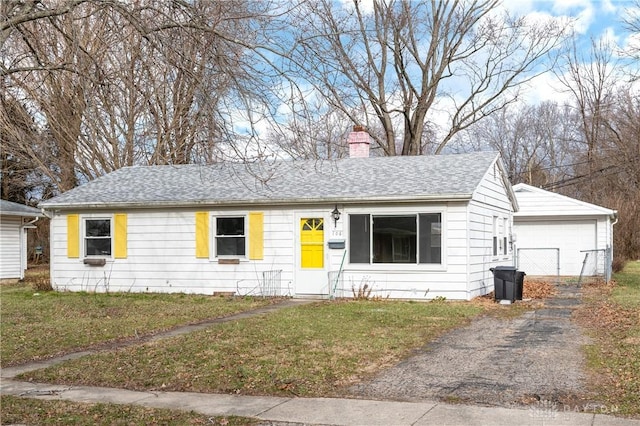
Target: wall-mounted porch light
[{"x": 335, "y": 215}]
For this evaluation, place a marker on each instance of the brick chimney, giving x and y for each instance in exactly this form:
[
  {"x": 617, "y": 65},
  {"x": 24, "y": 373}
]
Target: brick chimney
[{"x": 359, "y": 141}]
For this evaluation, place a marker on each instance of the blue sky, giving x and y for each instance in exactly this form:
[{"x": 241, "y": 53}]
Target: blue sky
[
  {"x": 590, "y": 19},
  {"x": 600, "y": 18}
]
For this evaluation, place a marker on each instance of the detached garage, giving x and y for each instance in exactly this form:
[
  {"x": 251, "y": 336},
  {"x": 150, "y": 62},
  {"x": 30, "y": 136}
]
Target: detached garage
[{"x": 558, "y": 235}]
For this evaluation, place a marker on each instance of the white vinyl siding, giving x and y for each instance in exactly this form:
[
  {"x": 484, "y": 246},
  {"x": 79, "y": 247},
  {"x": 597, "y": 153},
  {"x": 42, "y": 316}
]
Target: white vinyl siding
[
  {"x": 161, "y": 251},
  {"x": 489, "y": 200},
  {"x": 415, "y": 281},
  {"x": 160, "y": 257},
  {"x": 10, "y": 247}
]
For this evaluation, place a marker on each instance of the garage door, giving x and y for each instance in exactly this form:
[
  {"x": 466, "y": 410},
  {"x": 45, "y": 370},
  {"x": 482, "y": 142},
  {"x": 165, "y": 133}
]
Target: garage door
[{"x": 569, "y": 236}]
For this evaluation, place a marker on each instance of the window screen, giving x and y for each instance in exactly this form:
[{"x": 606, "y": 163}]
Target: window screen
[{"x": 359, "y": 238}]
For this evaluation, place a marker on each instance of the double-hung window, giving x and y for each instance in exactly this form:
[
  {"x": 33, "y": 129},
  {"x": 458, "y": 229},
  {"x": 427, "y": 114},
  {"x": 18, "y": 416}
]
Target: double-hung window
[
  {"x": 406, "y": 238},
  {"x": 495, "y": 236},
  {"x": 505, "y": 249},
  {"x": 97, "y": 237},
  {"x": 230, "y": 236}
]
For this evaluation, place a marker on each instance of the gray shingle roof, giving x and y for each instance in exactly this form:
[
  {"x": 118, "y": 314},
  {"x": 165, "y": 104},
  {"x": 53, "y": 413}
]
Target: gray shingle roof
[
  {"x": 285, "y": 182},
  {"x": 10, "y": 208}
]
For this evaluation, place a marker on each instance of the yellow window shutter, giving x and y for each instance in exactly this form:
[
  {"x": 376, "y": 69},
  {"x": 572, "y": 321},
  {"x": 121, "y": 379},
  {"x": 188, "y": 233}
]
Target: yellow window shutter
[
  {"x": 120, "y": 244},
  {"x": 202, "y": 235},
  {"x": 256, "y": 235},
  {"x": 73, "y": 235}
]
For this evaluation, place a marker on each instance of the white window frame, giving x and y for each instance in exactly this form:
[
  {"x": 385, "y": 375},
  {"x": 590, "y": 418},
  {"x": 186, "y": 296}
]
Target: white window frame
[
  {"x": 85, "y": 237},
  {"x": 214, "y": 232},
  {"x": 503, "y": 240},
  {"x": 495, "y": 250},
  {"x": 401, "y": 265}
]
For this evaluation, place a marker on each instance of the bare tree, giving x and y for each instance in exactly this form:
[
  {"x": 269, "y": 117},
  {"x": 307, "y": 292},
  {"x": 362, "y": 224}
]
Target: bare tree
[
  {"x": 111, "y": 83},
  {"x": 535, "y": 141},
  {"x": 606, "y": 164},
  {"x": 391, "y": 68},
  {"x": 591, "y": 79}
]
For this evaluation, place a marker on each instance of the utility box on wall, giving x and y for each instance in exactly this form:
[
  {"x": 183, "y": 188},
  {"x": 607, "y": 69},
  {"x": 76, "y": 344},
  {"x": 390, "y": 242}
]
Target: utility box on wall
[{"x": 336, "y": 244}]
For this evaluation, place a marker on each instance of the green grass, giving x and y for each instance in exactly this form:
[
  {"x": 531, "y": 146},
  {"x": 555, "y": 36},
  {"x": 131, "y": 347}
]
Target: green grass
[
  {"x": 627, "y": 292},
  {"x": 17, "y": 410},
  {"x": 310, "y": 350},
  {"x": 612, "y": 317},
  {"x": 36, "y": 325}
]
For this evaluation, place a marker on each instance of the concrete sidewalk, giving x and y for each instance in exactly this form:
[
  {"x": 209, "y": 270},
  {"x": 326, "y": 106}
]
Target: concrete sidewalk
[{"x": 318, "y": 411}]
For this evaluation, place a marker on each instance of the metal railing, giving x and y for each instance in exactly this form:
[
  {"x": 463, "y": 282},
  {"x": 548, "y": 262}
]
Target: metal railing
[{"x": 268, "y": 285}]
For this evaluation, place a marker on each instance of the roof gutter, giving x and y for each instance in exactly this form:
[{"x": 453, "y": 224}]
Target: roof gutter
[
  {"x": 30, "y": 224},
  {"x": 274, "y": 202}
]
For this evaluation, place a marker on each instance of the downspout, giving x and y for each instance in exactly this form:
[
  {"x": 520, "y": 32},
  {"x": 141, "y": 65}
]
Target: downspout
[
  {"x": 50, "y": 216},
  {"x": 610, "y": 266},
  {"x": 23, "y": 246}
]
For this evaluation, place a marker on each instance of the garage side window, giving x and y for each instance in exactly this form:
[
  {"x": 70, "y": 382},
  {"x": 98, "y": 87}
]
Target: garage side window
[{"x": 97, "y": 237}]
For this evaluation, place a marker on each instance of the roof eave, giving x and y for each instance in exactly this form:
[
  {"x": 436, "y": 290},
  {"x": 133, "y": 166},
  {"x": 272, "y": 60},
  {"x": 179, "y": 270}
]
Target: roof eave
[
  {"x": 270, "y": 202},
  {"x": 21, "y": 214}
]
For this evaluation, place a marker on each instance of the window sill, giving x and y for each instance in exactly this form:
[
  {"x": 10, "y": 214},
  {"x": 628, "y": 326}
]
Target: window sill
[
  {"x": 409, "y": 268},
  {"x": 92, "y": 261}
]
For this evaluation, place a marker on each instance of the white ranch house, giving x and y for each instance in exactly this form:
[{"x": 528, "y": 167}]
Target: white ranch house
[
  {"x": 15, "y": 219},
  {"x": 408, "y": 227},
  {"x": 559, "y": 235}
]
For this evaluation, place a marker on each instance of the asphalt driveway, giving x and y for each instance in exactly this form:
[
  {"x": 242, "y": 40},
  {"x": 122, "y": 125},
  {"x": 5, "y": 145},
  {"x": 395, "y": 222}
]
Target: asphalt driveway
[{"x": 533, "y": 359}]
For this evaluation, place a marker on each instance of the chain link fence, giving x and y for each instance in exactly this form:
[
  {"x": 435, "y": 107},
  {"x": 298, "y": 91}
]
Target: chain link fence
[
  {"x": 539, "y": 261},
  {"x": 596, "y": 264}
]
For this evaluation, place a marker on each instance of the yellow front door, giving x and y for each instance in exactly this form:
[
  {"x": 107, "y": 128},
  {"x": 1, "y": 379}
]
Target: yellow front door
[{"x": 312, "y": 243}]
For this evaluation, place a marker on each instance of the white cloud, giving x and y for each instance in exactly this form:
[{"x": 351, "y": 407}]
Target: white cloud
[
  {"x": 366, "y": 6},
  {"x": 545, "y": 87},
  {"x": 608, "y": 6}
]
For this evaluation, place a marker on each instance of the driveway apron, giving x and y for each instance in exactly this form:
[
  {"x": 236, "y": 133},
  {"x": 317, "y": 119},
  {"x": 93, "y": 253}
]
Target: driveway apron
[{"x": 533, "y": 359}]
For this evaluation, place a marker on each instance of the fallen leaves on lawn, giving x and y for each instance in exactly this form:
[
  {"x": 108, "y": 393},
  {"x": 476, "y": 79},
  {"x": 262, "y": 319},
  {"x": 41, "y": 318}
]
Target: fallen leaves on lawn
[{"x": 531, "y": 289}]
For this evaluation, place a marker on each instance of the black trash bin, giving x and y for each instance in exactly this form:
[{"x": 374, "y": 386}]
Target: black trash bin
[
  {"x": 519, "y": 284},
  {"x": 507, "y": 283}
]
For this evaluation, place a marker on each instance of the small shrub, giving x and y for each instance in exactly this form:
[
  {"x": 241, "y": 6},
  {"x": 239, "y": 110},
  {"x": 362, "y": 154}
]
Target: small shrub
[
  {"x": 617, "y": 265},
  {"x": 363, "y": 292},
  {"x": 41, "y": 284}
]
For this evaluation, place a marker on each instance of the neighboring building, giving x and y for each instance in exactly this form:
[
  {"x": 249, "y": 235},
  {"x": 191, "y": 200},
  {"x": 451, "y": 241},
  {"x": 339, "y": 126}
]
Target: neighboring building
[
  {"x": 15, "y": 219},
  {"x": 408, "y": 227},
  {"x": 558, "y": 235}
]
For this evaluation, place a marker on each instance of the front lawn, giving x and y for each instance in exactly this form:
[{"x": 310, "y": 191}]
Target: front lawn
[
  {"x": 41, "y": 324},
  {"x": 611, "y": 314},
  {"x": 310, "y": 350}
]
